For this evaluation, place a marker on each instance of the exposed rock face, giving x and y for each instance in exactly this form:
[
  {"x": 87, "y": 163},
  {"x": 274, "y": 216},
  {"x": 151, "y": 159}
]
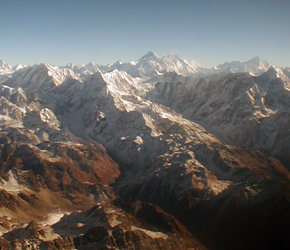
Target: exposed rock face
[
  {"x": 35, "y": 237},
  {"x": 136, "y": 226},
  {"x": 45, "y": 173},
  {"x": 238, "y": 108}
]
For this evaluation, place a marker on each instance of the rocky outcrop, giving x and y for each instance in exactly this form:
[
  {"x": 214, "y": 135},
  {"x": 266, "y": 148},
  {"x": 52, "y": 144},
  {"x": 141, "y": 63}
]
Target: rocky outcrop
[{"x": 137, "y": 225}]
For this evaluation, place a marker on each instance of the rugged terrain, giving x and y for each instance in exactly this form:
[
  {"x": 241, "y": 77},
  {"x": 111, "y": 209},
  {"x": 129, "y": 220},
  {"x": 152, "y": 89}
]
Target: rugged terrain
[{"x": 151, "y": 154}]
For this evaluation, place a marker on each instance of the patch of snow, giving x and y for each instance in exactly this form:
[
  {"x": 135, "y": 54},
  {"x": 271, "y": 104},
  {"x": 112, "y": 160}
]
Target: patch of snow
[
  {"x": 53, "y": 218},
  {"x": 48, "y": 117},
  {"x": 12, "y": 186},
  {"x": 151, "y": 234},
  {"x": 138, "y": 140}
]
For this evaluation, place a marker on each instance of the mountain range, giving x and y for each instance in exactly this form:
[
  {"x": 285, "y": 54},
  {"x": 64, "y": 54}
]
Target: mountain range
[
  {"x": 152, "y": 64},
  {"x": 156, "y": 153}
]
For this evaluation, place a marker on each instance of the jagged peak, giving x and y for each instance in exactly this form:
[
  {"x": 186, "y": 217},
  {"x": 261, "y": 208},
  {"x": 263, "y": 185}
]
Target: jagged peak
[
  {"x": 91, "y": 64},
  {"x": 69, "y": 65},
  {"x": 271, "y": 73},
  {"x": 257, "y": 61},
  {"x": 148, "y": 55},
  {"x": 118, "y": 73},
  {"x": 4, "y": 65},
  {"x": 41, "y": 66},
  {"x": 271, "y": 69},
  {"x": 19, "y": 67},
  {"x": 255, "y": 58},
  {"x": 119, "y": 62},
  {"x": 97, "y": 74}
]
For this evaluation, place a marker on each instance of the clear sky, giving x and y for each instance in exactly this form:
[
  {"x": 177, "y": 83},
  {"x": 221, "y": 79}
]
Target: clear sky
[{"x": 208, "y": 32}]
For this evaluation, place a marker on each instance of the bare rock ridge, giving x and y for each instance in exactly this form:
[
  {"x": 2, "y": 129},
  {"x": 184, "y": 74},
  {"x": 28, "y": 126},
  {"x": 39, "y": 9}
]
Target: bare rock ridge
[
  {"x": 151, "y": 154},
  {"x": 228, "y": 105}
]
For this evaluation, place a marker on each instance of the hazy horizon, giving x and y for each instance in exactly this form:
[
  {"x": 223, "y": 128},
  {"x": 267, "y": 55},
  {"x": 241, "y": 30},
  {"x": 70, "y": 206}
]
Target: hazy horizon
[
  {"x": 207, "y": 32},
  {"x": 136, "y": 59}
]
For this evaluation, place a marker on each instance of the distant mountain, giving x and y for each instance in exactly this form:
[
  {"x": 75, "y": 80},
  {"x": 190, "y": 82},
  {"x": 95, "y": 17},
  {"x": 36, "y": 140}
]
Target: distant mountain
[
  {"x": 4, "y": 66},
  {"x": 5, "y": 71},
  {"x": 83, "y": 70},
  {"x": 286, "y": 71},
  {"x": 19, "y": 66},
  {"x": 40, "y": 78},
  {"x": 255, "y": 66},
  {"x": 151, "y": 64}
]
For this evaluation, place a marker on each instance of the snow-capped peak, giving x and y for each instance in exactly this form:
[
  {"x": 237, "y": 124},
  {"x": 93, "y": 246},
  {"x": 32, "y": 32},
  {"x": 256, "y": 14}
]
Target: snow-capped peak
[
  {"x": 273, "y": 74},
  {"x": 5, "y": 71},
  {"x": 255, "y": 66},
  {"x": 171, "y": 57},
  {"x": 120, "y": 62},
  {"x": 4, "y": 65},
  {"x": 255, "y": 60},
  {"x": 82, "y": 69},
  {"x": 271, "y": 70},
  {"x": 69, "y": 66},
  {"x": 148, "y": 55},
  {"x": 19, "y": 66},
  {"x": 151, "y": 64},
  {"x": 41, "y": 77},
  {"x": 91, "y": 67},
  {"x": 258, "y": 62}
]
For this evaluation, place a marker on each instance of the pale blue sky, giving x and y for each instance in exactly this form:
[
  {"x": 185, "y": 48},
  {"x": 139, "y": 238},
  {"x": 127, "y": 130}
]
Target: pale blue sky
[{"x": 209, "y": 32}]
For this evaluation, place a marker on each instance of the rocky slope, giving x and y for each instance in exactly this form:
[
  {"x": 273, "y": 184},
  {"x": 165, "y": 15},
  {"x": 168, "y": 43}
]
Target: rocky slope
[
  {"x": 240, "y": 109},
  {"x": 151, "y": 163},
  {"x": 48, "y": 171}
]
